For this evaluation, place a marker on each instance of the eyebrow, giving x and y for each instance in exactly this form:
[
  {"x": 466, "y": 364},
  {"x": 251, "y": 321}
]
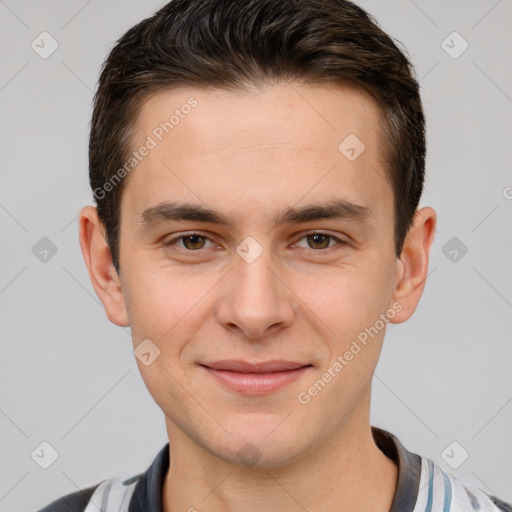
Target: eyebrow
[{"x": 178, "y": 211}]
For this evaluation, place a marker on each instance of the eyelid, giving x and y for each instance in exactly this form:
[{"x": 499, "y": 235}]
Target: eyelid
[
  {"x": 177, "y": 237},
  {"x": 340, "y": 241}
]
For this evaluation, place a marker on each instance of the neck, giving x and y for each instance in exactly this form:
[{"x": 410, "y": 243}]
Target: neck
[{"x": 347, "y": 472}]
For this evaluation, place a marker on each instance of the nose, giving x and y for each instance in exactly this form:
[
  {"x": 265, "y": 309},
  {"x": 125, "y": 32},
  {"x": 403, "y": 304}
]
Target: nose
[{"x": 255, "y": 298}]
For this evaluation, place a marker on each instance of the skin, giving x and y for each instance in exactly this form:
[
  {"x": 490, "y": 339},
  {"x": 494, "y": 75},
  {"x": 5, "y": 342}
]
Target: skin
[{"x": 250, "y": 156}]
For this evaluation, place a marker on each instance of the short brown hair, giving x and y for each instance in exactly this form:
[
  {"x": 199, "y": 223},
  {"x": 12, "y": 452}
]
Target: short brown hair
[{"x": 232, "y": 44}]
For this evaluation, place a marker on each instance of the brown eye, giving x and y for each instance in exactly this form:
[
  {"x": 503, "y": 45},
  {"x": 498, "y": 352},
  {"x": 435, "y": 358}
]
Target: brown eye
[
  {"x": 318, "y": 241},
  {"x": 193, "y": 242},
  {"x": 321, "y": 243}
]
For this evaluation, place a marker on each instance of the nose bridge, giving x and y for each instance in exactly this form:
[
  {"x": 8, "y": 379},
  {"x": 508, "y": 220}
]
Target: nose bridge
[
  {"x": 254, "y": 299},
  {"x": 254, "y": 279}
]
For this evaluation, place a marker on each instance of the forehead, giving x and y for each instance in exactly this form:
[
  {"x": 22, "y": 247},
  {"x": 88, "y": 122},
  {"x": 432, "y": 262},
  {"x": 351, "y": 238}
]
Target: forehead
[
  {"x": 283, "y": 113},
  {"x": 278, "y": 144}
]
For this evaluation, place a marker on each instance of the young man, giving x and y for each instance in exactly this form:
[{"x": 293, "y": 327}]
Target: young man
[{"x": 257, "y": 167}]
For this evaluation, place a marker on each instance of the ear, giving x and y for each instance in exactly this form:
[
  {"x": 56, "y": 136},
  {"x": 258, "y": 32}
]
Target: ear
[
  {"x": 412, "y": 266},
  {"x": 102, "y": 273}
]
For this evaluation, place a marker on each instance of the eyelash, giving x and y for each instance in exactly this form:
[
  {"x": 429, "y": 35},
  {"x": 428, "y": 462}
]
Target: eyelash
[{"x": 174, "y": 240}]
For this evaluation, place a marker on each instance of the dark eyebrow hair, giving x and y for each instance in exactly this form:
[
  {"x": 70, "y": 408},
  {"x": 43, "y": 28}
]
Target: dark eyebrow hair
[
  {"x": 168, "y": 211},
  {"x": 333, "y": 209}
]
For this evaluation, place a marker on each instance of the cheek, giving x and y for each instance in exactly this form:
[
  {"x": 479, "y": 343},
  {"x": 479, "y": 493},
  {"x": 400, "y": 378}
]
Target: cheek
[
  {"x": 346, "y": 299},
  {"x": 169, "y": 387},
  {"x": 161, "y": 297},
  {"x": 170, "y": 307}
]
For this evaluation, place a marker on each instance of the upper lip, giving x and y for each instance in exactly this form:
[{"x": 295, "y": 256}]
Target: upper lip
[{"x": 260, "y": 367}]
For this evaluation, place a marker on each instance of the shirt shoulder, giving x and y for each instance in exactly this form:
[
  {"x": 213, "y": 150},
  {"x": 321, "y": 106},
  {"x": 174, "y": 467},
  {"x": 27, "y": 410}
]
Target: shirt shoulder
[
  {"x": 121, "y": 493},
  {"x": 111, "y": 495},
  {"x": 466, "y": 495},
  {"x": 73, "y": 502},
  {"x": 423, "y": 486},
  {"x": 441, "y": 491}
]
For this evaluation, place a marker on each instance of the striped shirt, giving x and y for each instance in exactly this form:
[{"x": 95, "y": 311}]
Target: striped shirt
[{"x": 422, "y": 486}]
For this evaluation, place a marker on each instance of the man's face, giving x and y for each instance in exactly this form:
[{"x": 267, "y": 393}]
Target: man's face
[{"x": 281, "y": 294}]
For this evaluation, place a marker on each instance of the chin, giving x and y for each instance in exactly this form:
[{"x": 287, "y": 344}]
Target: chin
[
  {"x": 261, "y": 444},
  {"x": 261, "y": 455}
]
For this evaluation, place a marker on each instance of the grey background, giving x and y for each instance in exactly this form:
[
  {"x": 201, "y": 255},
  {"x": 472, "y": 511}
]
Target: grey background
[{"x": 68, "y": 377}]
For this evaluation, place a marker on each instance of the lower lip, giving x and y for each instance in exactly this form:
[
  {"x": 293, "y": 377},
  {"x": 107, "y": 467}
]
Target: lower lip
[{"x": 256, "y": 383}]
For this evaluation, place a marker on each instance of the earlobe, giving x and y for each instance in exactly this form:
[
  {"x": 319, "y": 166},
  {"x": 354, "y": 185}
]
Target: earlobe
[
  {"x": 412, "y": 266},
  {"x": 98, "y": 260}
]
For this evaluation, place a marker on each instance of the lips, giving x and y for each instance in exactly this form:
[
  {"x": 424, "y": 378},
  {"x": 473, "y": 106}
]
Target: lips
[
  {"x": 261, "y": 378},
  {"x": 261, "y": 367}
]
